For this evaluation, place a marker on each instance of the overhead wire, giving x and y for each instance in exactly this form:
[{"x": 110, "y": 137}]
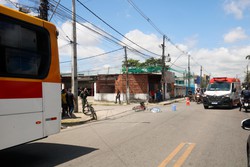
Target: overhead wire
[
  {"x": 156, "y": 28},
  {"x": 93, "y": 56},
  {"x": 63, "y": 12},
  {"x": 115, "y": 29},
  {"x": 54, "y": 9},
  {"x": 103, "y": 33}
]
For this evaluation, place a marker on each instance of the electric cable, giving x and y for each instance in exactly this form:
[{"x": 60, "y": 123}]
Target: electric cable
[
  {"x": 93, "y": 56},
  {"x": 156, "y": 28},
  {"x": 114, "y": 28}
]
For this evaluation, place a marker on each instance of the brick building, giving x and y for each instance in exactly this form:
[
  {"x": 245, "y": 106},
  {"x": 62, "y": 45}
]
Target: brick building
[{"x": 104, "y": 87}]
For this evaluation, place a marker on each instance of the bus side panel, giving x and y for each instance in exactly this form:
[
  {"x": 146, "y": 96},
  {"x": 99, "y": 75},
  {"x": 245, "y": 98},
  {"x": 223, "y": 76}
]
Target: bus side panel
[
  {"x": 52, "y": 107},
  {"x": 20, "y": 106},
  {"x": 22, "y": 128}
]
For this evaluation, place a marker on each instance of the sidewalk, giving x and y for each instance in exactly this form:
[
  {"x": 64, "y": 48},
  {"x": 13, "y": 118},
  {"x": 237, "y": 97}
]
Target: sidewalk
[{"x": 107, "y": 110}]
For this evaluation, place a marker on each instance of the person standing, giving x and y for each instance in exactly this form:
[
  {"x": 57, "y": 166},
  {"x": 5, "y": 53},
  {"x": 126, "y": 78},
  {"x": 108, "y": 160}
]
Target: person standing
[
  {"x": 84, "y": 93},
  {"x": 71, "y": 102},
  {"x": 64, "y": 100},
  {"x": 118, "y": 97},
  {"x": 152, "y": 95}
]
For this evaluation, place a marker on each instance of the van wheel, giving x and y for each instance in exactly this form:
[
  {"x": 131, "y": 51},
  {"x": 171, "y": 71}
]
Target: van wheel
[{"x": 206, "y": 107}]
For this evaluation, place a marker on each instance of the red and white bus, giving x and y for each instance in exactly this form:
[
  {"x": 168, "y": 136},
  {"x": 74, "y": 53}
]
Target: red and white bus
[{"x": 30, "y": 84}]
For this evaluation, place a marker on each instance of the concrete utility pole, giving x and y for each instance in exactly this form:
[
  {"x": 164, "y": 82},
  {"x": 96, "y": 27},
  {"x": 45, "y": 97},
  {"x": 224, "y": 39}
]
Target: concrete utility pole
[
  {"x": 74, "y": 81},
  {"x": 201, "y": 78},
  {"x": 127, "y": 79},
  {"x": 247, "y": 75},
  {"x": 43, "y": 8},
  {"x": 163, "y": 69},
  {"x": 188, "y": 71}
]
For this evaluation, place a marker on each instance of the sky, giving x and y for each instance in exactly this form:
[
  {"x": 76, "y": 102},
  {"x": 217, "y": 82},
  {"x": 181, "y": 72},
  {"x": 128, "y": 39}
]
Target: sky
[{"x": 215, "y": 33}]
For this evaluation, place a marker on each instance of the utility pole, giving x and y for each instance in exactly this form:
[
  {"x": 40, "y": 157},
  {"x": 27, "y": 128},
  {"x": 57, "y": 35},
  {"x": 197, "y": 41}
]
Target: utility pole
[
  {"x": 188, "y": 71},
  {"x": 201, "y": 78},
  {"x": 43, "y": 8},
  {"x": 247, "y": 75},
  {"x": 163, "y": 69},
  {"x": 74, "y": 81},
  {"x": 127, "y": 79}
]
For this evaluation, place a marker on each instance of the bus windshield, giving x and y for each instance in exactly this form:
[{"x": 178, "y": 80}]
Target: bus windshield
[{"x": 219, "y": 86}]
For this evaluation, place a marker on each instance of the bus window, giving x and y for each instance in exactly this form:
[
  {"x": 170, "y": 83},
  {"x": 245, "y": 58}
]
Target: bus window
[
  {"x": 24, "y": 49},
  {"x": 20, "y": 62}
]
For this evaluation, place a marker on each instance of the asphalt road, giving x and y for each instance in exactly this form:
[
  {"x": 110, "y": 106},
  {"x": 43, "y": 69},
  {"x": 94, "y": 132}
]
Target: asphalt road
[{"x": 189, "y": 136}]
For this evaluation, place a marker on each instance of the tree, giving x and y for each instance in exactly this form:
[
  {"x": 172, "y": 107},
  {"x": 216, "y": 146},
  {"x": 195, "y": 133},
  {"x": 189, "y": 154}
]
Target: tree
[
  {"x": 152, "y": 62},
  {"x": 132, "y": 63}
]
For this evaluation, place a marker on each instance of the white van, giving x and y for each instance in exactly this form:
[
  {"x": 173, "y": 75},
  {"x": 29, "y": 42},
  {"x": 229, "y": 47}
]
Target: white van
[{"x": 222, "y": 92}]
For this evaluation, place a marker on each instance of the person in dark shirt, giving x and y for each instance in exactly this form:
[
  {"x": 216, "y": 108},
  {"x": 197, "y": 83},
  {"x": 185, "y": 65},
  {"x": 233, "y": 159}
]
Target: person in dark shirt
[
  {"x": 118, "y": 97},
  {"x": 84, "y": 93},
  {"x": 71, "y": 102},
  {"x": 64, "y": 102}
]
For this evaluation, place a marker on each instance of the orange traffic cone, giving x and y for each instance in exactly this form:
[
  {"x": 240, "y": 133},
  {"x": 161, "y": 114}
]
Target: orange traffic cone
[{"x": 187, "y": 101}]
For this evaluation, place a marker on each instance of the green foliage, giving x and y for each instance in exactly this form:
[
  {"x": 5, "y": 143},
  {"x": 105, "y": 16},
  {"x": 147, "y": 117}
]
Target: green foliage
[
  {"x": 151, "y": 65},
  {"x": 151, "y": 62}
]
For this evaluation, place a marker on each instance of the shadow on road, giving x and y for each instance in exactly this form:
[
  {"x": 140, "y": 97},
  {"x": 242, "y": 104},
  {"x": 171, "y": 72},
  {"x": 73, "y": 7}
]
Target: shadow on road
[{"x": 42, "y": 154}]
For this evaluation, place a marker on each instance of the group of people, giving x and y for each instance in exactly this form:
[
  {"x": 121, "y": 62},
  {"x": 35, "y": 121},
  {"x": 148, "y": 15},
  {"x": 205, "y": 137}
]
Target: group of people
[
  {"x": 69, "y": 100},
  {"x": 155, "y": 96}
]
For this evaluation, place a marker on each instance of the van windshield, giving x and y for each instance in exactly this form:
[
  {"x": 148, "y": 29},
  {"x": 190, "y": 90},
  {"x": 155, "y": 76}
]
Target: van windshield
[{"x": 219, "y": 86}]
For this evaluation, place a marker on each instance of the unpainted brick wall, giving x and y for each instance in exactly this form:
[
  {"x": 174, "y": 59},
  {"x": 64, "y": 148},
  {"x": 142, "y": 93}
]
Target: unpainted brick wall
[{"x": 138, "y": 83}]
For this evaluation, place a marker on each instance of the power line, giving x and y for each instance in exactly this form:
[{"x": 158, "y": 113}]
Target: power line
[
  {"x": 145, "y": 17},
  {"x": 157, "y": 29},
  {"x": 93, "y": 56},
  {"x": 102, "y": 33},
  {"x": 63, "y": 12},
  {"x": 115, "y": 29}
]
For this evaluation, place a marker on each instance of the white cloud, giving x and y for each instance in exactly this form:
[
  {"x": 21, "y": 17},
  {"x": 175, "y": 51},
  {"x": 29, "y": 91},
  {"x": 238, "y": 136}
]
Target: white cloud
[
  {"x": 87, "y": 41},
  {"x": 222, "y": 61},
  {"x": 236, "y": 7},
  {"x": 235, "y": 35},
  {"x": 192, "y": 41},
  {"x": 87, "y": 46},
  {"x": 4, "y": 2},
  {"x": 149, "y": 41}
]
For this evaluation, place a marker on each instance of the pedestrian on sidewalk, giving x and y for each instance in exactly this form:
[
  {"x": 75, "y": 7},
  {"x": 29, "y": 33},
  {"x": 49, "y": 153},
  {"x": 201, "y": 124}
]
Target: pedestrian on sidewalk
[
  {"x": 118, "y": 96},
  {"x": 71, "y": 102},
  {"x": 64, "y": 97},
  {"x": 84, "y": 93}
]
